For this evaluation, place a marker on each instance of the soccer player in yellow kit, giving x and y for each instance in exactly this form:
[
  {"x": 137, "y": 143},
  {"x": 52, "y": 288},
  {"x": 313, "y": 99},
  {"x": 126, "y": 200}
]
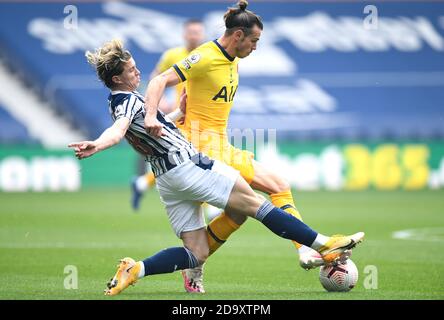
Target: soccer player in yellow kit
[
  {"x": 193, "y": 35},
  {"x": 210, "y": 73}
]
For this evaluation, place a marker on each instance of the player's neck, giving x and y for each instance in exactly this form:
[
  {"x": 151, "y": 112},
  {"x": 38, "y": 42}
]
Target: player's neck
[
  {"x": 122, "y": 88},
  {"x": 228, "y": 45},
  {"x": 126, "y": 86}
]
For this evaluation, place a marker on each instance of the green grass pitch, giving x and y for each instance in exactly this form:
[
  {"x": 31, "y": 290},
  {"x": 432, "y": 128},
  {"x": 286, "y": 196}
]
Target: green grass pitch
[{"x": 42, "y": 233}]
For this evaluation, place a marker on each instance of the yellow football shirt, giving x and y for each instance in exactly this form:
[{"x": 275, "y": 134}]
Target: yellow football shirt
[
  {"x": 212, "y": 78},
  {"x": 167, "y": 60}
]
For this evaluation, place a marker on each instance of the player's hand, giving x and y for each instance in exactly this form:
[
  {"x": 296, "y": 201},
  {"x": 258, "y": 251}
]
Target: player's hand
[
  {"x": 83, "y": 149},
  {"x": 153, "y": 127}
]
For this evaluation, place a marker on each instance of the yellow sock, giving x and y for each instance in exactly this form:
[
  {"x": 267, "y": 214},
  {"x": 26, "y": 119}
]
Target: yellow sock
[
  {"x": 150, "y": 180},
  {"x": 218, "y": 231},
  {"x": 284, "y": 200}
]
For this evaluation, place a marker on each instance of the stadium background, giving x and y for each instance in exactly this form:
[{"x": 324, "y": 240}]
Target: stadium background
[{"x": 350, "y": 108}]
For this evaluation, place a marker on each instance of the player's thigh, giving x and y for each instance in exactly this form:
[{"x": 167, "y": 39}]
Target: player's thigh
[
  {"x": 184, "y": 215},
  {"x": 267, "y": 180},
  {"x": 241, "y": 160},
  {"x": 211, "y": 183},
  {"x": 223, "y": 187},
  {"x": 243, "y": 200}
]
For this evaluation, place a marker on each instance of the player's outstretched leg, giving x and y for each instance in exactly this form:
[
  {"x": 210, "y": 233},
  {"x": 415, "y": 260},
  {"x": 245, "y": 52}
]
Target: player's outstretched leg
[
  {"x": 165, "y": 261},
  {"x": 332, "y": 249},
  {"x": 192, "y": 254},
  {"x": 267, "y": 180},
  {"x": 244, "y": 201}
]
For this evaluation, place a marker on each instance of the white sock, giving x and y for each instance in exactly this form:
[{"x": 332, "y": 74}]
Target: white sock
[
  {"x": 320, "y": 241},
  {"x": 142, "y": 269},
  {"x": 141, "y": 183},
  {"x": 304, "y": 249}
]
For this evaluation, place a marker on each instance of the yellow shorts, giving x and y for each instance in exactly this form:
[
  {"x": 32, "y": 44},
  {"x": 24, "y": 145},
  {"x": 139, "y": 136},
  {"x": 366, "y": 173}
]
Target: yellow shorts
[{"x": 241, "y": 160}]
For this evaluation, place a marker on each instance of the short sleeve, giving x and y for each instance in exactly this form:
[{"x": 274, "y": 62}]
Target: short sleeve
[
  {"x": 128, "y": 108},
  {"x": 194, "y": 65}
]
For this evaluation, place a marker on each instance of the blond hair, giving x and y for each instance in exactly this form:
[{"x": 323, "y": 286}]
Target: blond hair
[{"x": 107, "y": 61}]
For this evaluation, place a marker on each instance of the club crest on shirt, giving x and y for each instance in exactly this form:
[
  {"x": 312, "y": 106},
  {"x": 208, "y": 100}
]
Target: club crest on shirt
[{"x": 118, "y": 111}]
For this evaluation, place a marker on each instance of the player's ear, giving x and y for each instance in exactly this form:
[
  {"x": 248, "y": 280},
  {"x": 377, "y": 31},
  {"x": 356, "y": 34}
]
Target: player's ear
[
  {"x": 116, "y": 79},
  {"x": 238, "y": 35}
]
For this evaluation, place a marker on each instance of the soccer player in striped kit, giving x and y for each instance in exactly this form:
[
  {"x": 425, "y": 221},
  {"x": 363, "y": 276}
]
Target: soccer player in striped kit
[
  {"x": 185, "y": 178},
  {"x": 210, "y": 74}
]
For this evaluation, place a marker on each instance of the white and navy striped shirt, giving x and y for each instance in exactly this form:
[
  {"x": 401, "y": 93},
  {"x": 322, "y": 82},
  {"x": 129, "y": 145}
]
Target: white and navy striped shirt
[{"x": 163, "y": 153}]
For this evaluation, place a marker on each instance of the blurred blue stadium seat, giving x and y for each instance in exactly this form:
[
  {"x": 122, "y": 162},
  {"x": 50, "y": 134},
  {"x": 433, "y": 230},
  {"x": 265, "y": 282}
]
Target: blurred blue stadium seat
[
  {"x": 12, "y": 131},
  {"x": 319, "y": 76}
]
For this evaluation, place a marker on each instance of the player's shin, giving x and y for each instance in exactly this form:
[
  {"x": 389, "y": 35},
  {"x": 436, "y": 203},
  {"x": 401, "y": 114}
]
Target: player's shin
[
  {"x": 169, "y": 260},
  {"x": 288, "y": 227},
  {"x": 284, "y": 200}
]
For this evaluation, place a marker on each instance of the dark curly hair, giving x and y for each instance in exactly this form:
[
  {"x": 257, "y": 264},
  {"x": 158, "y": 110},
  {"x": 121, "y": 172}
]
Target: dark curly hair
[{"x": 239, "y": 18}]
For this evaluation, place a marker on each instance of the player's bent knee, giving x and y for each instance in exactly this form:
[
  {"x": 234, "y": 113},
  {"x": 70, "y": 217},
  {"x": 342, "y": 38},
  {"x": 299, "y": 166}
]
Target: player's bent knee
[
  {"x": 196, "y": 242},
  {"x": 201, "y": 253},
  {"x": 281, "y": 185}
]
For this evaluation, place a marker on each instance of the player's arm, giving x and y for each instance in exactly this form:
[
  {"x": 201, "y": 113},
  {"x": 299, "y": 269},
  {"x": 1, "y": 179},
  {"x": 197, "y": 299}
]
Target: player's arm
[
  {"x": 165, "y": 62},
  {"x": 154, "y": 93},
  {"x": 154, "y": 73},
  {"x": 107, "y": 139},
  {"x": 164, "y": 105}
]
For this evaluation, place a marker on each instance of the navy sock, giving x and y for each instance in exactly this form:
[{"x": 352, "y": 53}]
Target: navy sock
[
  {"x": 170, "y": 260},
  {"x": 285, "y": 225}
]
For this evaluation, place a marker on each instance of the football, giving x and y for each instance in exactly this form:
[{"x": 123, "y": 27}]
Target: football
[{"x": 339, "y": 278}]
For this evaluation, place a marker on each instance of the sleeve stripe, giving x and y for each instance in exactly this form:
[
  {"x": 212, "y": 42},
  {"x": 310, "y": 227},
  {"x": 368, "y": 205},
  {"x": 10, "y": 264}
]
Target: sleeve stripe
[
  {"x": 181, "y": 75},
  {"x": 133, "y": 110},
  {"x": 126, "y": 103}
]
